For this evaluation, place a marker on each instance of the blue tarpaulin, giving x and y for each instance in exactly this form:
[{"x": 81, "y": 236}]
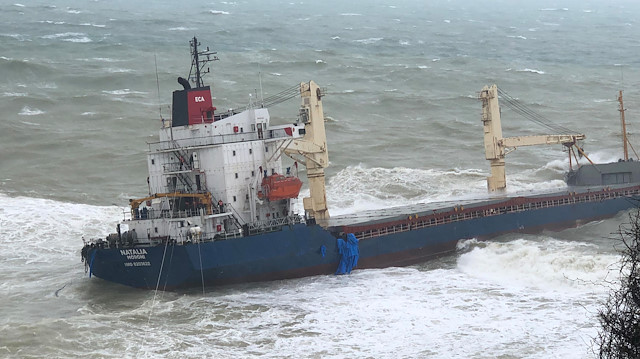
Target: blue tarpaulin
[
  {"x": 349, "y": 254},
  {"x": 93, "y": 256}
]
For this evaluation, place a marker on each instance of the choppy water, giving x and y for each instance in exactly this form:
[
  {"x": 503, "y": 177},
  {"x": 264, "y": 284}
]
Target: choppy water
[{"x": 79, "y": 99}]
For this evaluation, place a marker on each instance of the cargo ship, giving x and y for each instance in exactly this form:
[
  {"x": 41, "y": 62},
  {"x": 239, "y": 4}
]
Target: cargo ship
[{"x": 220, "y": 207}]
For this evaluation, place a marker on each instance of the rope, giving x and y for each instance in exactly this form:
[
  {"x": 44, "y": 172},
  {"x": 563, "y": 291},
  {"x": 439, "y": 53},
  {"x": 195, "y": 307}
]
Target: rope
[
  {"x": 155, "y": 293},
  {"x": 281, "y": 96},
  {"x": 166, "y": 279},
  {"x": 158, "y": 281},
  {"x": 531, "y": 115}
]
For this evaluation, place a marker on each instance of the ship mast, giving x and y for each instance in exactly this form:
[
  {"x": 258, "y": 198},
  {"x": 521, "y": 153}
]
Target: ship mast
[
  {"x": 624, "y": 127},
  {"x": 198, "y": 64}
]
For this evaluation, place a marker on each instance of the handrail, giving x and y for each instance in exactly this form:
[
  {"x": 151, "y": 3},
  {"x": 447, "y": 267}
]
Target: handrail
[
  {"x": 436, "y": 219},
  {"x": 175, "y": 144}
]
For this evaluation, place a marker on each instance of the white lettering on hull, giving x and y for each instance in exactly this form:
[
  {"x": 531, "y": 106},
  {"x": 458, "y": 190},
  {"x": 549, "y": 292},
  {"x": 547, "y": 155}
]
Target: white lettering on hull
[{"x": 135, "y": 254}]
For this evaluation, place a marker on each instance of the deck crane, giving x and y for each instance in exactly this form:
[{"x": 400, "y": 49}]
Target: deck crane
[
  {"x": 497, "y": 147},
  {"x": 311, "y": 150}
]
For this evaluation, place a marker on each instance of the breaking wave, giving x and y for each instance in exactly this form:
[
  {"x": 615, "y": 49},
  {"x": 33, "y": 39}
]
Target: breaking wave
[{"x": 28, "y": 111}]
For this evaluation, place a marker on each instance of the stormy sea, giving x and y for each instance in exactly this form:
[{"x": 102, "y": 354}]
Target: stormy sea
[{"x": 84, "y": 84}]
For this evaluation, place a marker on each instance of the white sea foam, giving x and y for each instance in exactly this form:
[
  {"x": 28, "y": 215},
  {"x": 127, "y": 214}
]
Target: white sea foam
[
  {"x": 100, "y": 59},
  {"x": 320, "y": 61},
  {"x": 79, "y": 39},
  {"x": 18, "y": 5},
  {"x": 219, "y": 12},
  {"x": 14, "y": 94},
  {"x": 371, "y": 40},
  {"x": 350, "y": 14},
  {"x": 335, "y": 38},
  {"x": 19, "y": 37},
  {"x": 541, "y": 262},
  {"x": 73, "y": 11},
  {"x": 554, "y": 9},
  {"x": 94, "y": 25},
  {"x": 534, "y": 71},
  {"x": 52, "y": 22},
  {"x": 402, "y": 311},
  {"x": 181, "y": 28},
  {"x": 117, "y": 70},
  {"x": 28, "y": 111},
  {"x": 30, "y": 123},
  {"x": 358, "y": 188},
  {"x": 123, "y": 92},
  {"x": 602, "y": 156},
  {"x": 275, "y": 74},
  {"x": 69, "y": 36},
  {"x": 39, "y": 230},
  {"x": 45, "y": 85}
]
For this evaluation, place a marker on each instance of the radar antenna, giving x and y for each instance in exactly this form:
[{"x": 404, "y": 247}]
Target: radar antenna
[{"x": 198, "y": 61}]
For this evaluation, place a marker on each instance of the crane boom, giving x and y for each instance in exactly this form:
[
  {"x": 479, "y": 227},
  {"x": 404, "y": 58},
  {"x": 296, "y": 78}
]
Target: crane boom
[
  {"x": 518, "y": 141},
  {"x": 497, "y": 147}
]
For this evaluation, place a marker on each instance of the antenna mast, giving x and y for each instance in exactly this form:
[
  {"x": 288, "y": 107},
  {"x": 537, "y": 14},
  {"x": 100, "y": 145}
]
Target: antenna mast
[
  {"x": 624, "y": 126},
  {"x": 198, "y": 64}
]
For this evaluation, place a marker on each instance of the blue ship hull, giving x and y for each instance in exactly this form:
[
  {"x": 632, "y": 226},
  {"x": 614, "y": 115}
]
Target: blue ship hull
[{"x": 304, "y": 250}]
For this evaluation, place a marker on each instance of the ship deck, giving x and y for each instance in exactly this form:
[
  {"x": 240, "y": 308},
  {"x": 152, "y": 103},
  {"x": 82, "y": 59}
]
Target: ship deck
[{"x": 402, "y": 213}]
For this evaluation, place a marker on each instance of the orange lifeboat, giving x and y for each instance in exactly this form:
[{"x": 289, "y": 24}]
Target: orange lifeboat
[{"x": 277, "y": 187}]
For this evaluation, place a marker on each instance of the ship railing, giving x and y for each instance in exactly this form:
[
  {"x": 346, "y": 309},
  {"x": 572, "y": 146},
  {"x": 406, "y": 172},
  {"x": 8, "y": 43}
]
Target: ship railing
[
  {"x": 165, "y": 213},
  {"x": 463, "y": 215},
  {"x": 217, "y": 139},
  {"x": 175, "y": 166},
  {"x": 203, "y": 238},
  {"x": 279, "y": 133},
  {"x": 272, "y": 225},
  {"x": 201, "y": 141}
]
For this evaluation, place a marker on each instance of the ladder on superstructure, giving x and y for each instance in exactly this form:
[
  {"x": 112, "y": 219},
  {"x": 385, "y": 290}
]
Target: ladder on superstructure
[{"x": 184, "y": 179}]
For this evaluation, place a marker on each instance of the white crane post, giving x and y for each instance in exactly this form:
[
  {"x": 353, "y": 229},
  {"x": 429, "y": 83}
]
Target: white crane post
[
  {"x": 313, "y": 149},
  {"x": 492, "y": 137}
]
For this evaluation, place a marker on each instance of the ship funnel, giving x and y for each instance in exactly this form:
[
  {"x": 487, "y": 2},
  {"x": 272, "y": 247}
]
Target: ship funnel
[{"x": 182, "y": 81}]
